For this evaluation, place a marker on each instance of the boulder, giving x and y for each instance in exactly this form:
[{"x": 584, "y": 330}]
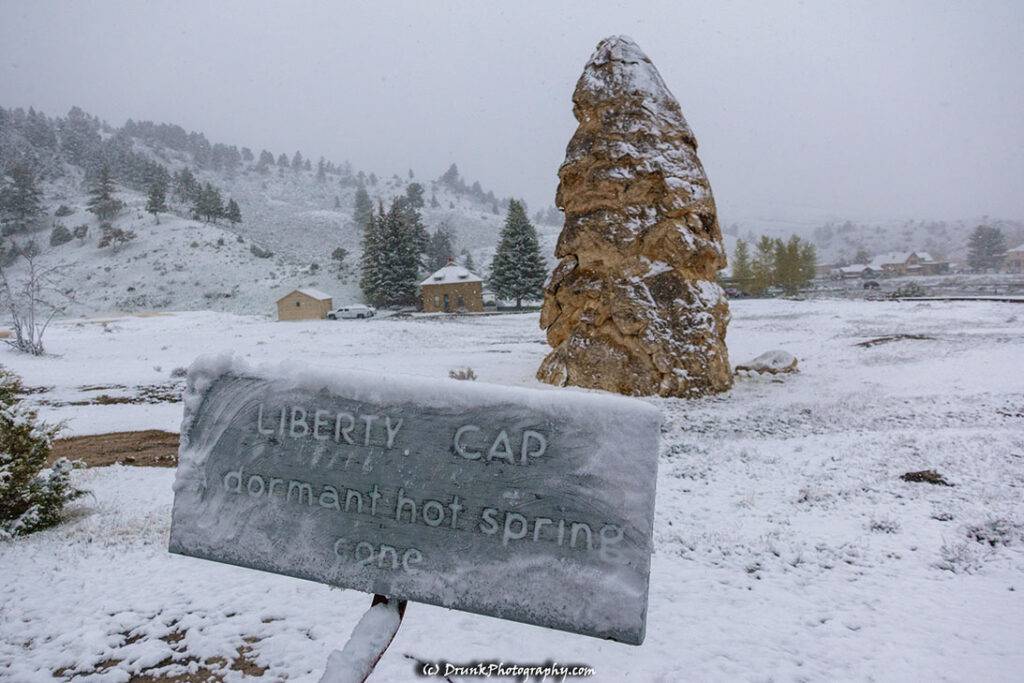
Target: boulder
[
  {"x": 770, "y": 362},
  {"x": 633, "y": 306}
]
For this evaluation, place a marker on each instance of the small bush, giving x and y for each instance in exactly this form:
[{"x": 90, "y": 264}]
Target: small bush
[
  {"x": 60, "y": 235},
  {"x": 462, "y": 373},
  {"x": 884, "y": 525},
  {"x": 32, "y": 496},
  {"x": 63, "y": 210},
  {"x": 81, "y": 232},
  {"x": 179, "y": 372},
  {"x": 115, "y": 237}
]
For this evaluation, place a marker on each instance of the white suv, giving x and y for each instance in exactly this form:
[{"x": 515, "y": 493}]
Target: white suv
[{"x": 359, "y": 311}]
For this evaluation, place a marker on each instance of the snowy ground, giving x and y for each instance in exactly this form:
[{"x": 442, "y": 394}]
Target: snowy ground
[{"x": 787, "y": 547}]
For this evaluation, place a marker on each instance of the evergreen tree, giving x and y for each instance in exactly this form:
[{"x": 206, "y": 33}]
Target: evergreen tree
[
  {"x": 20, "y": 196},
  {"x": 370, "y": 262},
  {"x": 337, "y": 202},
  {"x": 439, "y": 250},
  {"x": 186, "y": 187},
  {"x": 414, "y": 193},
  {"x": 467, "y": 261},
  {"x": 518, "y": 271},
  {"x": 403, "y": 239},
  {"x": 986, "y": 248},
  {"x": 156, "y": 202},
  {"x": 862, "y": 257},
  {"x": 102, "y": 201},
  {"x": 742, "y": 271},
  {"x": 282, "y": 160},
  {"x": 265, "y": 162},
  {"x": 363, "y": 208},
  {"x": 32, "y": 495},
  {"x": 414, "y": 229},
  {"x": 233, "y": 213},
  {"x": 209, "y": 205},
  {"x": 321, "y": 170},
  {"x": 297, "y": 162}
]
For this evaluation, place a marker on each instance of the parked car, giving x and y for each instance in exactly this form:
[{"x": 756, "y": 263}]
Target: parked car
[
  {"x": 358, "y": 311},
  {"x": 872, "y": 284}
]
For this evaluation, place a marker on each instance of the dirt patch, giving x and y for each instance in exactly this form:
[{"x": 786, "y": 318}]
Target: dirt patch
[
  {"x": 926, "y": 477},
  {"x": 169, "y": 392},
  {"x": 150, "y": 448},
  {"x": 892, "y": 338}
]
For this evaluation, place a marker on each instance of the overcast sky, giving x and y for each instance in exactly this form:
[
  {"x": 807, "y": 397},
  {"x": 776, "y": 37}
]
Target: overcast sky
[{"x": 805, "y": 109}]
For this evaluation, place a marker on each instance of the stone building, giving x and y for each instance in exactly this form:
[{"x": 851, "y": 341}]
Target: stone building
[
  {"x": 304, "y": 304},
  {"x": 452, "y": 288}
]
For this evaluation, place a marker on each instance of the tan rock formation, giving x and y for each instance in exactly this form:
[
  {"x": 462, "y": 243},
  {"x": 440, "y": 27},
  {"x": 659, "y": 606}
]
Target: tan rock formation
[{"x": 633, "y": 306}]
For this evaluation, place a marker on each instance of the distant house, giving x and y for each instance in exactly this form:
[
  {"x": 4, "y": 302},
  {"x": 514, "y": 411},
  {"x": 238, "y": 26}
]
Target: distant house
[
  {"x": 1014, "y": 261},
  {"x": 856, "y": 270},
  {"x": 452, "y": 288},
  {"x": 304, "y": 304},
  {"x": 908, "y": 263}
]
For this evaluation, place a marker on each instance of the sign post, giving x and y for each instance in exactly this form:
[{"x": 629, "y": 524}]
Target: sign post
[{"x": 530, "y": 505}]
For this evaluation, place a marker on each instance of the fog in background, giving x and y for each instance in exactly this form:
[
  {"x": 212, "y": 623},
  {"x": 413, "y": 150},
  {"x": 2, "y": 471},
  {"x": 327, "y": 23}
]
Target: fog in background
[{"x": 803, "y": 110}]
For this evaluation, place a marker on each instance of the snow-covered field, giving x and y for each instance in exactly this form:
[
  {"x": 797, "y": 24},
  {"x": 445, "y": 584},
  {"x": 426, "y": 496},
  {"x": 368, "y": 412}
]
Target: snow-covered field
[{"x": 786, "y": 545}]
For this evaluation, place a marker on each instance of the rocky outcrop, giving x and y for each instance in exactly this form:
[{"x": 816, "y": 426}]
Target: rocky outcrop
[{"x": 633, "y": 306}]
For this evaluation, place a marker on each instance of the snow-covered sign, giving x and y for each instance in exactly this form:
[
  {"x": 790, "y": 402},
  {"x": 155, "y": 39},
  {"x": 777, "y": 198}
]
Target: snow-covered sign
[{"x": 534, "y": 506}]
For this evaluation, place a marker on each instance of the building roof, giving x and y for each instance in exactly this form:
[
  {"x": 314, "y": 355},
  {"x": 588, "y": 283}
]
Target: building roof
[
  {"x": 892, "y": 258},
  {"x": 855, "y": 268},
  {"x": 311, "y": 293},
  {"x": 1016, "y": 249},
  {"x": 450, "y": 275}
]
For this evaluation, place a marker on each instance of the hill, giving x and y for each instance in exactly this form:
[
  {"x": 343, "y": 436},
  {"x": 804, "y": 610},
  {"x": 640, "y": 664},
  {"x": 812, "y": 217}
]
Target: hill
[{"x": 295, "y": 213}]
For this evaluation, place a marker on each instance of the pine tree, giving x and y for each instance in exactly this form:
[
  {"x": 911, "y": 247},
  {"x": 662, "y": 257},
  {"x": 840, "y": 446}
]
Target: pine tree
[
  {"x": 467, "y": 261},
  {"x": 370, "y": 261},
  {"x": 209, "y": 205},
  {"x": 742, "y": 272},
  {"x": 102, "y": 201},
  {"x": 297, "y": 162},
  {"x": 186, "y": 187},
  {"x": 986, "y": 248},
  {"x": 518, "y": 271},
  {"x": 282, "y": 160},
  {"x": 20, "y": 196},
  {"x": 233, "y": 213},
  {"x": 32, "y": 496},
  {"x": 363, "y": 208},
  {"x": 156, "y": 202},
  {"x": 440, "y": 250},
  {"x": 414, "y": 193},
  {"x": 321, "y": 170},
  {"x": 402, "y": 241}
]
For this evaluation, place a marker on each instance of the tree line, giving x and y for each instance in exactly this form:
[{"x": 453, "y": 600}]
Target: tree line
[{"x": 788, "y": 264}]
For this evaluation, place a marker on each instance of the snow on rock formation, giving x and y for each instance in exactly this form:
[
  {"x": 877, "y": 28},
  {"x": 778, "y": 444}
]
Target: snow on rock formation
[{"x": 633, "y": 306}]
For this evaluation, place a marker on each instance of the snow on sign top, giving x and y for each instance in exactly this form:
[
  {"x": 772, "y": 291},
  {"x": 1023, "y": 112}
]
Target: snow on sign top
[
  {"x": 451, "y": 274},
  {"x": 534, "y": 506}
]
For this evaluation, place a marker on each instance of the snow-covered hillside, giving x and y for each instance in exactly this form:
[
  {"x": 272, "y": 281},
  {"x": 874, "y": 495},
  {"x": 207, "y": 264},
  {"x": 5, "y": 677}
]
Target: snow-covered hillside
[
  {"x": 297, "y": 214},
  {"x": 787, "y": 546}
]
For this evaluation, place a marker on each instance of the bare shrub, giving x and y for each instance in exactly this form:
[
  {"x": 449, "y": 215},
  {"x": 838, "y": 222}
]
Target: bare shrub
[
  {"x": 462, "y": 373},
  {"x": 29, "y": 298}
]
